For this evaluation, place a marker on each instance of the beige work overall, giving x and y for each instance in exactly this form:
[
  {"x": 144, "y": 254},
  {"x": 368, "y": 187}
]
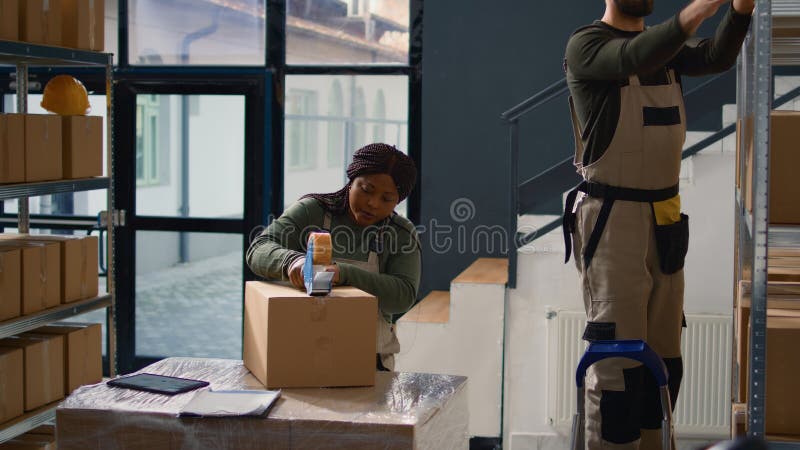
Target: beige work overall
[
  {"x": 625, "y": 292},
  {"x": 386, "y": 342}
]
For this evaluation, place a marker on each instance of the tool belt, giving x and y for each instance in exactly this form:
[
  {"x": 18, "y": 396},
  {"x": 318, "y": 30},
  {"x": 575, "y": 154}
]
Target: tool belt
[{"x": 672, "y": 240}]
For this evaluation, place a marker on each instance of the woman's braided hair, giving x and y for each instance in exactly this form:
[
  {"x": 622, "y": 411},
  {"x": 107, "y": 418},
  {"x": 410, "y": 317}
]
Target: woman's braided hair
[{"x": 372, "y": 159}]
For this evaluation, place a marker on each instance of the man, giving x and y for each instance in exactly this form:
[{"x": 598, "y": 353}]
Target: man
[{"x": 624, "y": 220}]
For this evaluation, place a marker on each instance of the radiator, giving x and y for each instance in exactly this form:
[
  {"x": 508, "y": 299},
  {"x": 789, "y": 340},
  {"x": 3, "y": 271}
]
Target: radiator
[{"x": 703, "y": 408}]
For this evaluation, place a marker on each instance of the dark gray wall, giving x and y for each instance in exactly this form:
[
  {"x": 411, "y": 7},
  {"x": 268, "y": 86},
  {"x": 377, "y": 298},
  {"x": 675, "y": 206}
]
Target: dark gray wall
[{"x": 479, "y": 59}]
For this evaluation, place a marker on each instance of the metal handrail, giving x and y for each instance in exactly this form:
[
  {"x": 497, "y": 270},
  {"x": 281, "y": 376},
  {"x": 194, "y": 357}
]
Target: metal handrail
[
  {"x": 560, "y": 88},
  {"x": 688, "y": 152},
  {"x": 553, "y": 91}
]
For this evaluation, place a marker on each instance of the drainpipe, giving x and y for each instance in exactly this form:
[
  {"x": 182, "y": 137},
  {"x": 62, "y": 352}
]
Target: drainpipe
[{"x": 183, "y": 238}]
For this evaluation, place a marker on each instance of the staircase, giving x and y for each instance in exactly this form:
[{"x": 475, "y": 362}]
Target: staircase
[{"x": 460, "y": 332}]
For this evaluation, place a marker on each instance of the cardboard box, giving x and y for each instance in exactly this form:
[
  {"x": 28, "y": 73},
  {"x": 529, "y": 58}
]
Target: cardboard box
[
  {"x": 783, "y": 156},
  {"x": 294, "y": 340},
  {"x": 11, "y": 383},
  {"x": 782, "y": 298},
  {"x": 10, "y": 283},
  {"x": 44, "y": 367},
  {"x": 782, "y": 397},
  {"x": 41, "y": 273},
  {"x": 12, "y": 147},
  {"x": 46, "y": 429},
  {"x": 30, "y": 441},
  {"x": 82, "y": 146},
  {"x": 43, "y": 159},
  {"x": 83, "y": 362},
  {"x": 738, "y": 420},
  {"x": 401, "y": 411},
  {"x": 9, "y": 20},
  {"x": 79, "y": 274},
  {"x": 40, "y": 21},
  {"x": 84, "y": 22}
]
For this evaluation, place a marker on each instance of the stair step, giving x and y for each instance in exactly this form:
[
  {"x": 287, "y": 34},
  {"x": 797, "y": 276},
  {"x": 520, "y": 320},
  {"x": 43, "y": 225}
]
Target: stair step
[
  {"x": 434, "y": 308},
  {"x": 485, "y": 271}
]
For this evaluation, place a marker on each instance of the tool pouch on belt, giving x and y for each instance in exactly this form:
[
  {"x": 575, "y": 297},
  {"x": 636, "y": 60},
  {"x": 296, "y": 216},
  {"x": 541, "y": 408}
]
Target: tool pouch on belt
[{"x": 672, "y": 241}]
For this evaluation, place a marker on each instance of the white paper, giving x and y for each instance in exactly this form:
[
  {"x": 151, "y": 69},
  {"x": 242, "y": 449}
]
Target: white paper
[{"x": 210, "y": 403}]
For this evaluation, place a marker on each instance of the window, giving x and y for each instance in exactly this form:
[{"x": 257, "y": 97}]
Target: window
[
  {"x": 358, "y": 124},
  {"x": 347, "y": 32},
  {"x": 147, "y": 140},
  {"x": 182, "y": 142},
  {"x": 379, "y": 129},
  {"x": 188, "y": 302},
  {"x": 301, "y": 129},
  {"x": 336, "y": 124},
  {"x": 183, "y": 32},
  {"x": 348, "y": 122}
]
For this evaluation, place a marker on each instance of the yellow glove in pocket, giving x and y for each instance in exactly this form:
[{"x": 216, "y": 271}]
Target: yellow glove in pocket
[
  {"x": 672, "y": 234},
  {"x": 668, "y": 211}
]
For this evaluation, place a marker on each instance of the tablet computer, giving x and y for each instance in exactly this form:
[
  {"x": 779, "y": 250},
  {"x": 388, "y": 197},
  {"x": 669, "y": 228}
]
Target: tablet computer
[{"x": 159, "y": 384}]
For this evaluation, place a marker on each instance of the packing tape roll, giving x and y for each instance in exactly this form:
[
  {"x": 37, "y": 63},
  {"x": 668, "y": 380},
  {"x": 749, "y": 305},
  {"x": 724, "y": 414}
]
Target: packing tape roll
[{"x": 322, "y": 248}]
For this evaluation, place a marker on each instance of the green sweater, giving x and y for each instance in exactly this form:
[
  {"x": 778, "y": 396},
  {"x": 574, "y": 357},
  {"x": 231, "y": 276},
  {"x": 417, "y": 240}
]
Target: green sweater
[
  {"x": 600, "y": 58},
  {"x": 285, "y": 240}
]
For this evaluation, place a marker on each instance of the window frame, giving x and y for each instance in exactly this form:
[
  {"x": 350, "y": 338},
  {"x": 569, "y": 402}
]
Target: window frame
[{"x": 276, "y": 61}]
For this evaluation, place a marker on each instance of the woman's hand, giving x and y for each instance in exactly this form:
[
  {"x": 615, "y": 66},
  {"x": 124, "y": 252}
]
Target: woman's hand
[
  {"x": 295, "y": 273},
  {"x": 335, "y": 269}
]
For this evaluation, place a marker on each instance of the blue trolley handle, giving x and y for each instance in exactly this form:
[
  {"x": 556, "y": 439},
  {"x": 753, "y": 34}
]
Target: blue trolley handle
[{"x": 632, "y": 349}]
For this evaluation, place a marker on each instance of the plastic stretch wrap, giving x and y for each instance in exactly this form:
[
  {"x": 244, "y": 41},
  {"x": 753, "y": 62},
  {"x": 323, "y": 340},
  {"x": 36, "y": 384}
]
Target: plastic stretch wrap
[{"x": 402, "y": 411}]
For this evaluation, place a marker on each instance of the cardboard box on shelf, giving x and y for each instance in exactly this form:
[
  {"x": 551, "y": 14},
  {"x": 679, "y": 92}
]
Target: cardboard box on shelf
[
  {"x": 738, "y": 419},
  {"x": 46, "y": 429},
  {"x": 9, "y": 20},
  {"x": 79, "y": 260},
  {"x": 82, "y": 146},
  {"x": 43, "y": 159},
  {"x": 782, "y": 368},
  {"x": 30, "y": 441},
  {"x": 10, "y": 283},
  {"x": 11, "y": 383},
  {"x": 83, "y": 26},
  {"x": 294, "y": 340},
  {"x": 43, "y": 357},
  {"x": 783, "y": 190},
  {"x": 40, "y": 21},
  {"x": 41, "y": 273},
  {"x": 83, "y": 362},
  {"x": 12, "y": 147},
  {"x": 783, "y": 298}
]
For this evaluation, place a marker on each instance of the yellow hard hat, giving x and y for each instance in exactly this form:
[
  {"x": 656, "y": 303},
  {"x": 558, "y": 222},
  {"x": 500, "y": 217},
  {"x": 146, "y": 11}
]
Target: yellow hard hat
[{"x": 66, "y": 96}]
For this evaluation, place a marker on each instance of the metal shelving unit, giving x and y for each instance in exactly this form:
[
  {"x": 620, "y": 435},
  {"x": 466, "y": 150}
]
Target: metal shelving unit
[
  {"x": 774, "y": 39},
  {"x": 32, "y": 321},
  {"x": 11, "y": 191},
  {"x": 24, "y": 55}
]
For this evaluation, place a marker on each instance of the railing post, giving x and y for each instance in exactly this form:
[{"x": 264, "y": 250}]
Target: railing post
[{"x": 513, "y": 182}]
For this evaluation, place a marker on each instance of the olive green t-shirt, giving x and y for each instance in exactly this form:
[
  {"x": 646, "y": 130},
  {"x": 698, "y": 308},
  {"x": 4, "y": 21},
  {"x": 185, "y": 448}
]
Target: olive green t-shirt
[
  {"x": 285, "y": 240},
  {"x": 600, "y": 59}
]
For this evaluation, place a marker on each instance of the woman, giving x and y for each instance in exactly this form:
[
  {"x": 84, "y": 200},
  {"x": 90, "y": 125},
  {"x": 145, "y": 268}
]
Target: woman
[{"x": 374, "y": 249}]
